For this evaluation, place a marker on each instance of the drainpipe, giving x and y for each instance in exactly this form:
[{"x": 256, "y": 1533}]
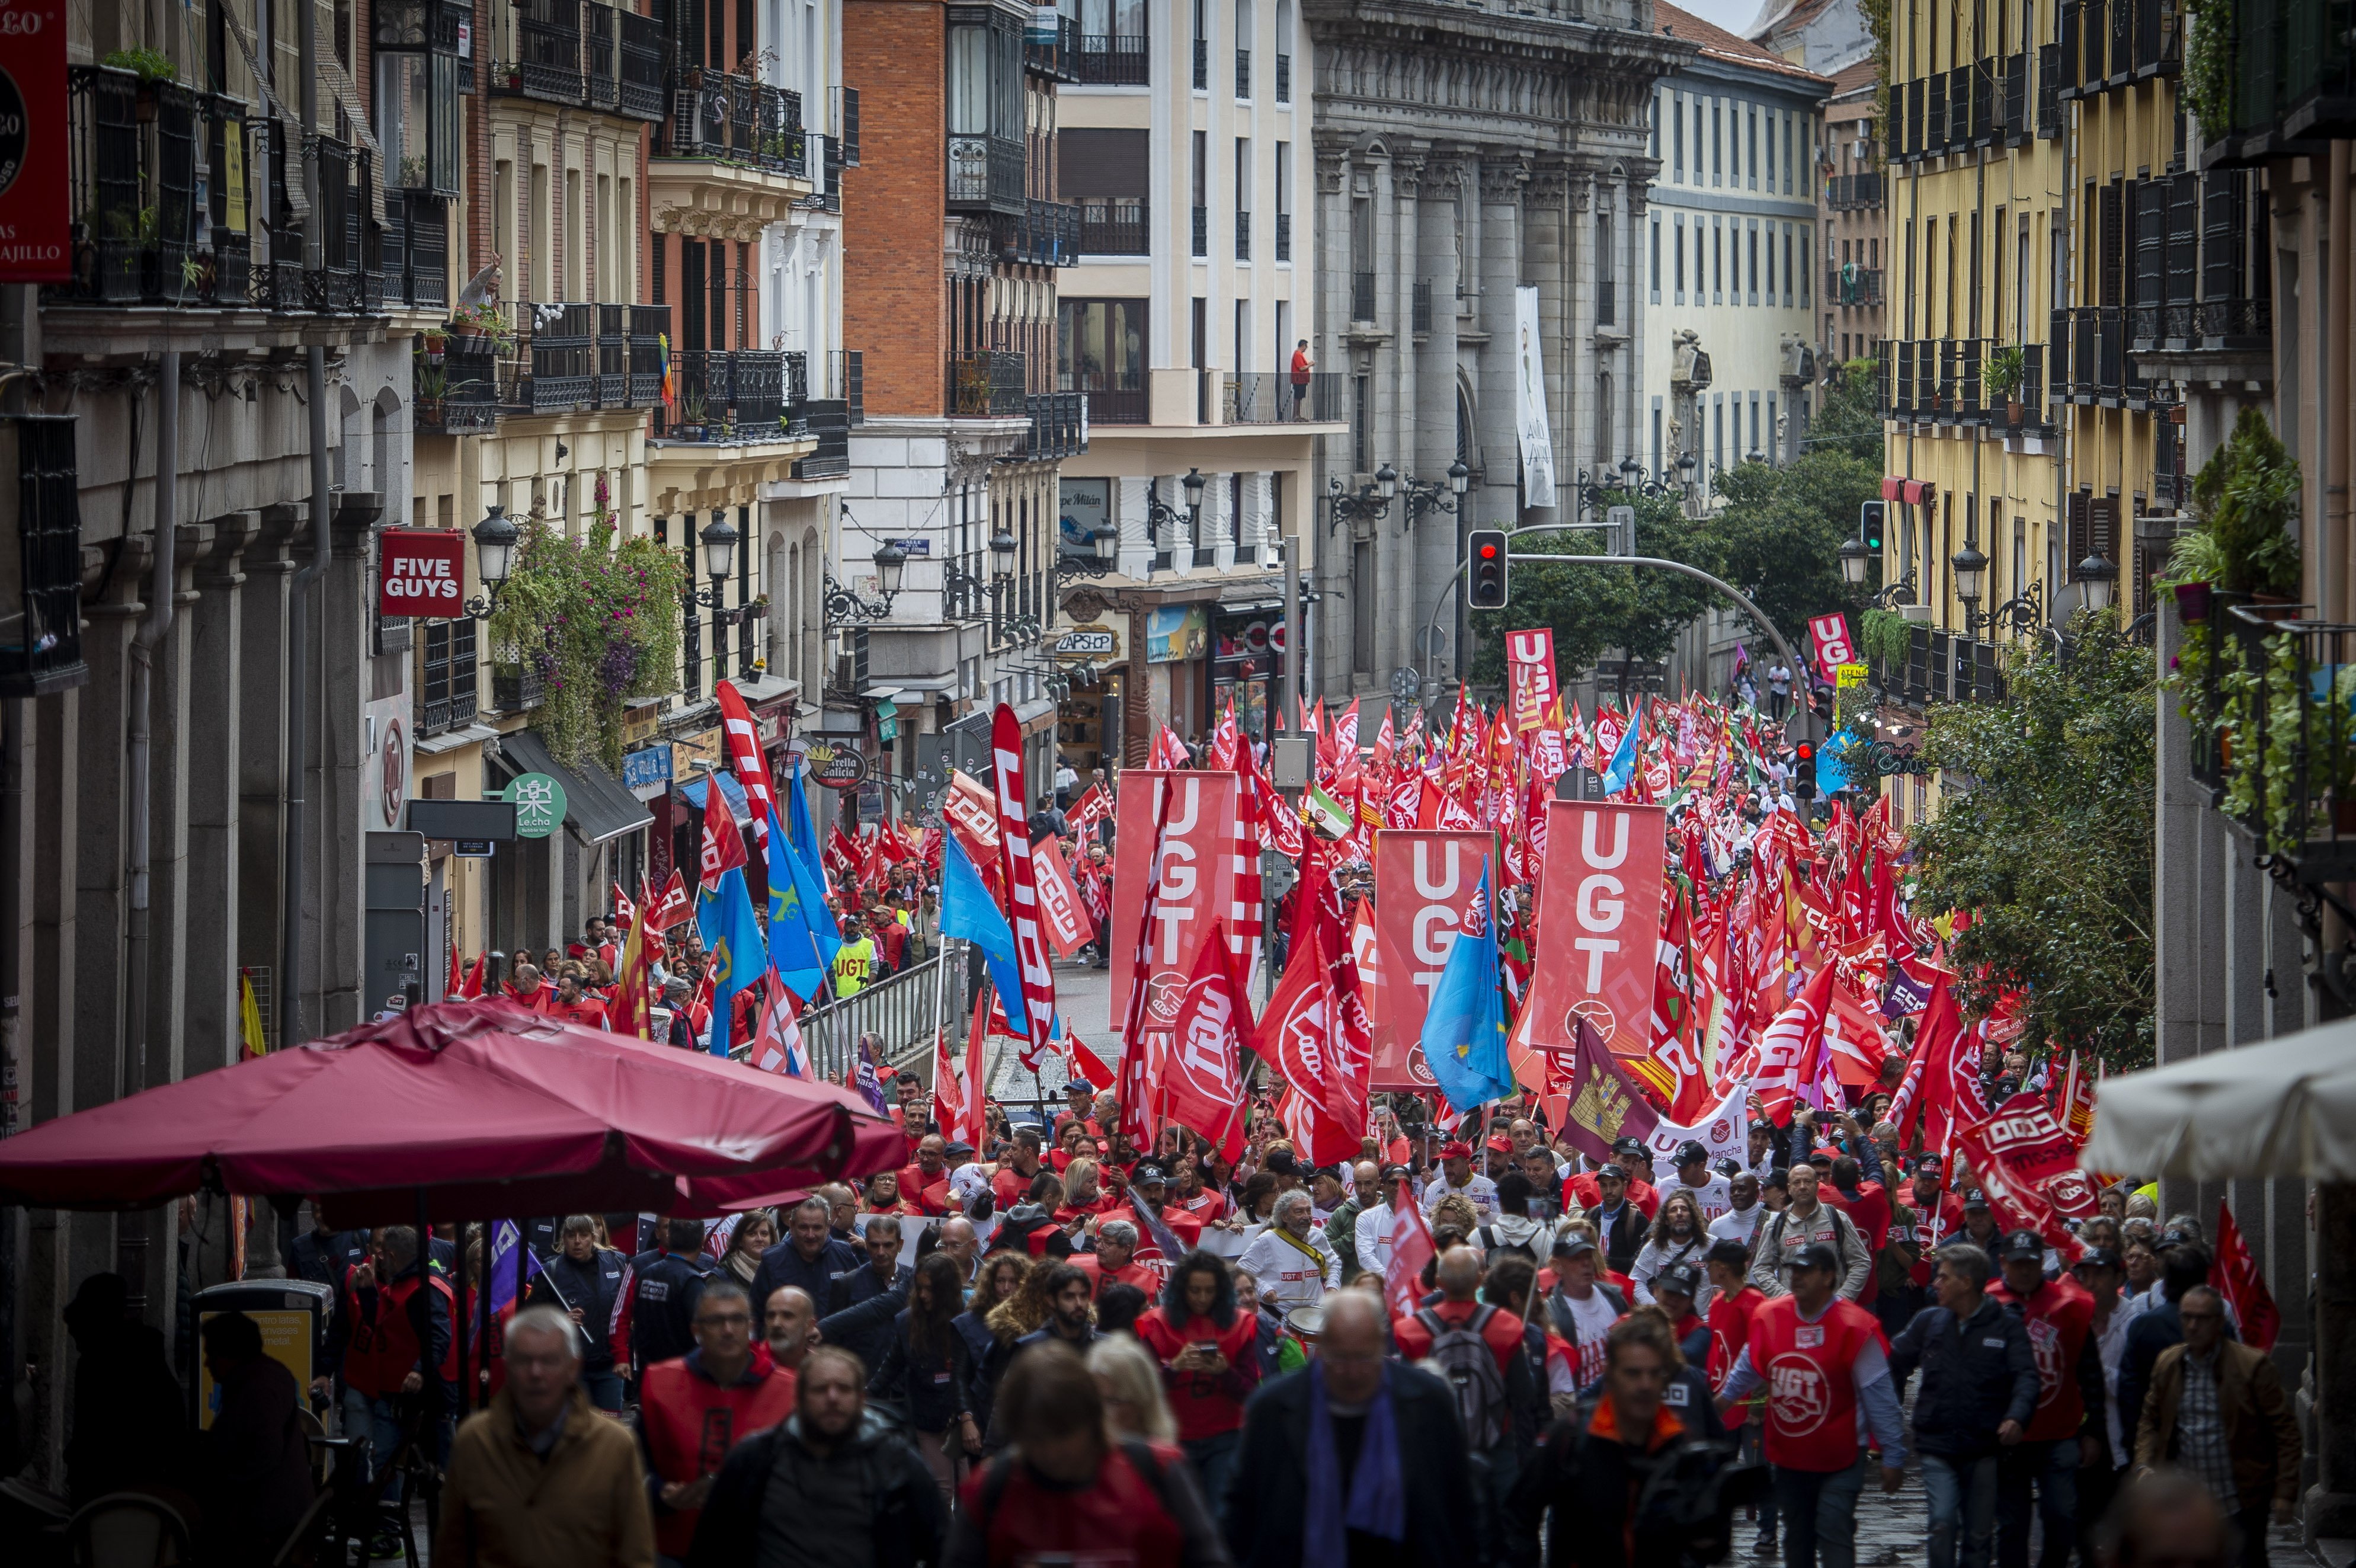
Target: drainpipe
[
  {"x": 298, "y": 617},
  {"x": 2332, "y": 559}
]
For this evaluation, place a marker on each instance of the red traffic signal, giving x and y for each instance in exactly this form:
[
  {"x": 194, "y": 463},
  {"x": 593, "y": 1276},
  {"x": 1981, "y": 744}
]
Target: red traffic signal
[{"x": 1486, "y": 586}]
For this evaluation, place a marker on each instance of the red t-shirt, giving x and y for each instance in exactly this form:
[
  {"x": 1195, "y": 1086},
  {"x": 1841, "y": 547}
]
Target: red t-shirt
[
  {"x": 1009, "y": 1185},
  {"x": 2058, "y": 1317},
  {"x": 1809, "y": 1370},
  {"x": 929, "y": 1194},
  {"x": 1869, "y": 1213},
  {"x": 1301, "y": 366},
  {"x": 1204, "y": 1404},
  {"x": 1207, "y": 1206},
  {"x": 1730, "y": 1330}
]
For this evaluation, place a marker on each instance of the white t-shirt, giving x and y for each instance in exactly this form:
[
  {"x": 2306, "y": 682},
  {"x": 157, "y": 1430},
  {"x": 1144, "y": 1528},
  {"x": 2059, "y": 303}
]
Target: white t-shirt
[
  {"x": 1738, "y": 1224},
  {"x": 1480, "y": 1192},
  {"x": 1713, "y": 1195},
  {"x": 1375, "y": 1238},
  {"x": 1593, "y": 1318},
  {"x": 1286, "y": 1275}
]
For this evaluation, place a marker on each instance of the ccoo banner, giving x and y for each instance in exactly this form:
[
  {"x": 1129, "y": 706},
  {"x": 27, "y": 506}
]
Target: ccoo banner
[
  {"x": 1197, "y": 878},
  {"x": 1424, "y": 882},
  {"x": 1599, "y": 925},
  {"x": 422, "y": 572}
]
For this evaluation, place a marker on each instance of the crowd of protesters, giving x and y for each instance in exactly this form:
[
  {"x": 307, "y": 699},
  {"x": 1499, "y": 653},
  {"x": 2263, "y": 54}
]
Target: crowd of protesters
[{"x": 1063, "y": 1349}]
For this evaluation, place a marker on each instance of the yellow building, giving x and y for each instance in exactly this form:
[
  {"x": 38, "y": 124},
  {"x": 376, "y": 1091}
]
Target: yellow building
[{"x": 2033, "y": 157}]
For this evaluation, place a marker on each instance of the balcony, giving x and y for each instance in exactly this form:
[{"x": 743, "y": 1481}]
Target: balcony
[
  {"x": 1058, "y": 56},
  {"x": 455, "y": 391},
  {"x": 1273, "y": 397},
  {"x": 1243, "y": 236},
  {"x": 1362, "y": 298},
  {"x": 1935, "y": 112},
  {"x": 416, "y": 248},
  {"x": 2049, "y": 92},
  {"x": 2266, "y": 698},
  {"x": 987, "y": 383},
  {"x": 987, "y": 171},
  {"x": 1284, "y": 78},
  {"x": 549, "y": 367},
  {"x": 517, "y": 688},
  {"x": 1202, "y": 232},
  {"x": 1284, "y": 236},
  {"x": 40, "y": 608},
  {"x": 1941, "y": 667},
  {"x": 447, "y": 688},
  {"x": 1046, "y": 234},
  {"x": 641, "y": 95},
  {"x": 131, "y": 165},
  {"x": 1118, "y": 406},
  {"x": 1854, "y": 192},
  {"x": 742, "y": 397},
  {"x": 1058, "y": 427},
  {"x": 1115, "y": 229},
  {"x": 846, "y": 381},
  {"x": 1850, "y": 285},
  {"x": 548, "y": 52},
  {"x": 828, "y": 421},
  {"x": 2013, "y": 90},
  {"x": 1113, "y": 61},
  {"x": 728, "y": 148}
]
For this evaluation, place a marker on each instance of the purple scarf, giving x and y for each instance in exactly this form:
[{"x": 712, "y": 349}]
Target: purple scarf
[{"x": 1377, "y": 1500}]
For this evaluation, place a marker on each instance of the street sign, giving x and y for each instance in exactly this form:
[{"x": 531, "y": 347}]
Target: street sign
[
  {"x": 1406, "y": 683},
  {"x": 1851, "y": 676},
  {"x": 539, "y": 801},
  {"x": 1620, "y": 530},
  {"x": 422, "y": 572},
  {"x": 646, "y": 769}
]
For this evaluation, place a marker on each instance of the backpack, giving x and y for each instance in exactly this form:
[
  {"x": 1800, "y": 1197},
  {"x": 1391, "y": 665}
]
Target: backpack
[
  {"x": 1843, "y": 1230},
  {"x": 1462, "y": 1358},
  {"x": 1491, "y": 1245}
]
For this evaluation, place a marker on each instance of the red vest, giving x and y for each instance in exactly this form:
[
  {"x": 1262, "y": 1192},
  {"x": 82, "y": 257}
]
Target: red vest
[
  {"x": 1202, "y": 1405},
  {"x": 691, "y": 1423},
  {"x": 1809, "y": 1370},
  {"x": 1119, "y": 1522},
  {"x": 384, "y": 1351},
  {"x": 1730, "y": 1330},
  {"x": 2058, "y": 1317}
]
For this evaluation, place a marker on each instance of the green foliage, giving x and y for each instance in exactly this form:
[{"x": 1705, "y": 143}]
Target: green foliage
[
  {"x": 1596, "y": 609},
  {"x": 2207, "y": 84},
  {"x": 599, "y": 622},
  {"x": 1848, "y": 413},
  {"x": 149, "y": 65},
  {"x": 1885, "y": 636},
  {"x": 2006, "y": 368},
  {"x": 2045, "y": 835},
  {"x": 1876, "y": 22},
  {"x": 1778, "y": 537},
  {"x": 2246, "y": 496}
]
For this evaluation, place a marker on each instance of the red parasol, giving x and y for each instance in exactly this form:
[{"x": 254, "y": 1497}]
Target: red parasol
[{"x": 471, "y": 1108}]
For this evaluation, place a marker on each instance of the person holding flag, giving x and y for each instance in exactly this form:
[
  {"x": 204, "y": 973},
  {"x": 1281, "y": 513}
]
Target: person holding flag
[{"x": 723, "y": 914}]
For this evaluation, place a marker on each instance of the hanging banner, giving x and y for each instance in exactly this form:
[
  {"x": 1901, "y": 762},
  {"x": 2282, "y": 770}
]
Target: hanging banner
[
  {"x": 1038, "y": 998},
  {"x": 1724, "y": 1129},
  {"x": 1424, "y": 882},
  {"x": 1530, "y": 419},
  {"x": 1067, "y": 924},
  {"x": 1194, "y": 884},
  {"x": 1598, "y": 924},
  {"x": 1529, "y": 667},
  {"x": 1833, "y": 646}
]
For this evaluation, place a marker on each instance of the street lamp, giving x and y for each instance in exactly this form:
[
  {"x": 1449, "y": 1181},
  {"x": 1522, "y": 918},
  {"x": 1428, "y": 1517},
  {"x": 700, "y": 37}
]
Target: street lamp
[
  {"x": 1159, "y": 512},
  {"x": 1424, "y": 497},
  {"x": 495, "y": 548},
  {"x": 1854, "y": 559},
  {"x": 1192, "y": 485},
  {"x": 2101, "y": 580},
  {"x": 891, "y": 559},
  {"x": 719, "y": 547},
  {"x": 1970, "y": 564},
  {"x": 844, "y": 608},
  {"x": 1386, "y": 482},
  {"x": 1001, "y": 556}
]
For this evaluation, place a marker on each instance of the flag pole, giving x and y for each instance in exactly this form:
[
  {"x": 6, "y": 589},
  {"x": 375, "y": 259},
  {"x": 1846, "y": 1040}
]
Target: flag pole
[{"x": 940, "y": 1019}]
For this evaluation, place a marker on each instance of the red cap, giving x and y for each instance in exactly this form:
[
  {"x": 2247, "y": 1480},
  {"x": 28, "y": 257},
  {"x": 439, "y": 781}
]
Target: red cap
[
  {"x": 1501, "y": 1144},
  {"x": 1456, "y": 1149}
]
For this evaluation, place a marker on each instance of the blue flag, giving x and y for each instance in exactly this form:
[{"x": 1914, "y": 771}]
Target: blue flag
[
  {"x": 804, "y": 826},
  {"x": 969, "y": 911},
  {"x": 1464, "y": 1029},
  {"x": 1622, "y": 769},
  {"x": 724, "y": 913},
  {"x": 799, "y": 946},
  {"x": 507, "y": 1236}
]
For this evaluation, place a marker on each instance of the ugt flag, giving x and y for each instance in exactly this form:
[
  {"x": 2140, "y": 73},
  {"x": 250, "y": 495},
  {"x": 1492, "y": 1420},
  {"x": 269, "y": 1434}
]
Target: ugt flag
[{"x": 1464, "y": 1028}]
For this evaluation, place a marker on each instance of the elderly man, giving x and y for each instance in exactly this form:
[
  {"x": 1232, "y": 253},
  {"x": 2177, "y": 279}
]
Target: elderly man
[
  {"x": 1292, "y": 1259},
  {"x": 962, "y": 1242},
  {"x": 1456, "y": 1175},
  {"x": 924, "y": 1181},
  {"x": 542, "y": 1480},
  {"x": 789, "y": 1322},
  {"x": 2216, "y": 1408},
  {"x": 1114, "y": 1259}
]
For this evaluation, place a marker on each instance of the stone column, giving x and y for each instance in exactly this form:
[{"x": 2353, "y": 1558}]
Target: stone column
[
  {"x": 1547, "y": 261},
  {"x": 167, "y": 834},
  {"x": 261, "y": 753},
  {"x": 1501, "y": 271},
  {"x": 215, "y": 693},
  {"x": 1336, "y": 458},
  {"x": 336, "y": 873},
  {"x": 54, "y": 1237},
  {"x": 1439, "y": 537}
]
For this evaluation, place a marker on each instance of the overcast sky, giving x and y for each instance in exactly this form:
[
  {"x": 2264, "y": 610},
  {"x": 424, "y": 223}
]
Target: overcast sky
[{"x": 1732, "y": 15}]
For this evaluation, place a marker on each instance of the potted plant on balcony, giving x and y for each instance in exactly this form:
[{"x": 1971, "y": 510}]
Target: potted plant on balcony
[
  {"x": 469, "y": 322},
  {"x": 433, "y": 387},
  {"x": 692, "y": 412},
  {"x": 2007, "y": 369},
  {"x": 150, "y": 66}
]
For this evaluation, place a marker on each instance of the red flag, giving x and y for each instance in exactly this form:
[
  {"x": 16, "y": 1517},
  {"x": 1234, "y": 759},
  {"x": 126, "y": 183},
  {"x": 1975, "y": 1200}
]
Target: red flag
[
  {"x": 2243, "y": 1285},
  {"x": 1412, "y": 1249},
  {"x": 1787, "y": 1051},
  {"x": 632, "y": 1012},
  {"x": 625, "y": 910},
  {"x": 1940, "y": 1053},
  {"x": 1038, "y": 998},
  {"x": 1298, "y": 1035},
  {"x": 723, "y": 845},
  {"x": 2017, "y": 1202},
  {"x": 1084, "y": 1062},
  {"x": 456, "y": 983},
  {"x": 2077, "y": 1108},
  {"x": 673, "y": 906},
  {"x": 1203, "y": 1077},
  {"x": 699, "y": 1006},
  {"x": 1095, "y": 805},
  {"x": 745, "y": 758},
  {"x": 777, "y": 1038},
  {"x": 474, "y": 986},
  {"x": 1854, "y": 1034}
]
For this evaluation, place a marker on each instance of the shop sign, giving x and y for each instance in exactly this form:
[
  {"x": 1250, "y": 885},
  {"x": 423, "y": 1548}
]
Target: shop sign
[
  {"x": 1174, "y": 633},
  {"x": 1094, "y": 640},
  {"x": 639, "y": 723},
  {"x": 539, "y": 800},
  {"x": 422, "y": 572},
  {"x": 837, "y": 768},
  {"x": 36, "y": 242},
  {"x": 648, "y": 769}
]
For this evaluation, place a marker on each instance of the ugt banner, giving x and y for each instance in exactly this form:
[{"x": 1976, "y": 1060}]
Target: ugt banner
[
  {"x": 1599, "y": 925},
  {"x": 1424, "y": 882},
  {"x": 1529, "y": 664},
  {"x": 1196, "y": 879}
]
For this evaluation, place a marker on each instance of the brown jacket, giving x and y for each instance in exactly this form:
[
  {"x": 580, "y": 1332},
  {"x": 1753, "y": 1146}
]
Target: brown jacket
[
  {"x": 2261, "y": 1433},
  {"x": 584, "y": 1506}
]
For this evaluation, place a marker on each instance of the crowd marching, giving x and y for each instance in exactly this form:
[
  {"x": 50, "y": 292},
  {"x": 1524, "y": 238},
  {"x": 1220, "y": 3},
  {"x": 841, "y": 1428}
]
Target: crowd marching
[{"x": 1443, "y": 1253}]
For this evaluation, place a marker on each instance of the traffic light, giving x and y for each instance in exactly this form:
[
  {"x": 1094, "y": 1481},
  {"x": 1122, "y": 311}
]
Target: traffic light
[
  {"x": 1804, "y": 773},
  {"x": 1484, "y": 569},
  {"x": 1870, "y": 523}
]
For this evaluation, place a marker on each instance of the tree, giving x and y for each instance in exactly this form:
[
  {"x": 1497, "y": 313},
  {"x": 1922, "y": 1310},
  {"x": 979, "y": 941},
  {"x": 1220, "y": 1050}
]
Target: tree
[
  {"x": 1595, "y": 609},
  {"x": 1779, "y": 534},
  {"x": 1848, "y": 415},
  {"x": 2045, "y": 838}
]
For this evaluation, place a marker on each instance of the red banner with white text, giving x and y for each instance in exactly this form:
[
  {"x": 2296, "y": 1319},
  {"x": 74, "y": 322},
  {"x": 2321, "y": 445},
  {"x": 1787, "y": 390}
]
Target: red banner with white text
[
  {"x": 1424, "y": 882},
  {"x": 1196, "y": 880},
  {"x": 1599, "y": 925}
]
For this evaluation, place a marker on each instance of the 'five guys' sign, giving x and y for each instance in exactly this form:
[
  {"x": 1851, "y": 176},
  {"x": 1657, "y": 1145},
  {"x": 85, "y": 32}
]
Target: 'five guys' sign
[
  {"x": 1599, "y": 942},
  {"x": 1424, "y": 882},
  {"x": 422, "y": 572}
]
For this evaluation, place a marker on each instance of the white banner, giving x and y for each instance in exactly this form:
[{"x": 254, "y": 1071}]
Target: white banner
[
  {"x": 1530, "y": 401},
  {"x": 1724, "y": 1131}
]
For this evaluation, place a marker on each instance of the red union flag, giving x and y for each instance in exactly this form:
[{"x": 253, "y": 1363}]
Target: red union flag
[
  {"x": 1298, "y": 1034},
  {"x": 1833, "y": 647},
  {"x": 1022, "y": 887},
  {"x": 1201, "y": 1081},
  {"x": 1424, "y": 884},
  {"x": 1529, "y": 668},
  {"x": 1192, "y": 882},
  {"x": 422, "y": 572},
  {"x": 1599, "y": 925},
  {"x": 2023, "y": 1133},
  {"x": 972, "y": 815},
  {"x": 1068, "y": 926}
]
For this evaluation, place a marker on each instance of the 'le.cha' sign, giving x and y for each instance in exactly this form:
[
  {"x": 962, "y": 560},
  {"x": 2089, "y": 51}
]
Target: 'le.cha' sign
[{"x": 422, "y": 572}]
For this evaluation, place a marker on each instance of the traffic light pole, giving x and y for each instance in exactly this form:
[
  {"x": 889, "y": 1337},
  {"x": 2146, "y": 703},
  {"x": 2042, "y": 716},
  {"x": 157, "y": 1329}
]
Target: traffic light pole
[{"x": 1804, "y": 712}]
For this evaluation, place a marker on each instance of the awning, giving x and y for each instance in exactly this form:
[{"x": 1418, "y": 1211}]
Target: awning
[
  {"x": 731, "y": 791},
  {"x": 1036, "y": 714},
  {"x": 596, "y": 806},
  {"x": 1911, "y": 491},
  {"x": 2287, "y": 1108}
]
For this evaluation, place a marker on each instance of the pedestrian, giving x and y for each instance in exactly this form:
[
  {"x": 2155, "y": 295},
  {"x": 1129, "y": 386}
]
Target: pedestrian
[
  {"x": 540, "y": 1479},
  {"x": 130, "y": 1415},
  {"x": 789, "y": 1328},
  {"x": 1357, "y": 1463},
  {"x": 1713, "y": 1195},
  {"x": 253, "y": 1463},
  {"x": 1980, "y": 1390},
  {"x": 854, "y": 962},
  {"x": 754, "y": 1233},
  {"x": 694, "y": 1410},
  {"x": 1203, "y": 1345},
  {"x": 835, "y": 1486},
  {"x": 1068, "y": 1491},
  {"x": 1457, "y": 1175},
  {"x": 1292, "y": 1259},
  {"x": 1130, "y": 1380},
  {"x": 2216, "y": 1408},
  {"x": 1808, "y": 1221},
  {"x": 584, "y": 1282},
  {"x": 2167, "y": 1520},
  {"x": 1479, "y": 1351},
  {"x": 1743, "y": 1211},
  {"x": 1058, "y": 1299},
  {"x": 811, "y": 1255},
  {"x": 401, "y": 1361},
  {"x": 2068, "y": 1429},
  {"x": 658, "y": 1293},
  {"x": 1582, "y": 1307},
  {"x": 1828, "y": 1365},
  {"x": 1676, "y": 1238},
  {"x": 883, "y": 1279},
  {"x": 1303, "y": 366},
  {"x": 1373, "y": 1239},
  {"x": 1342, "y": 1225},
  {"x": 926, "y": 1372}
]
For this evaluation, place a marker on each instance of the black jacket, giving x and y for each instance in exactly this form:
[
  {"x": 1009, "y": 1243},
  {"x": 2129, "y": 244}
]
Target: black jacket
[
  {"x": 2154, "y": 1330},
  {"x": 981, "y": 1343},
  {"x": 1624, "y": 1238},
  {"x": 782, "y": 1265},
  {"x": 1269, "y": 1488},
  {"x": 1977, "y": 1374},
  {"x": 929, "y": 1388},
  {"x": 907, "y": 1518},
  {"x": 1587, "y": 1484},
  {"x": 857, "y": 1287},
  {"x": 664, "y": 1288},
  {"x": 594, "y": 1288},
  {"x": 326, "y": 1260}
]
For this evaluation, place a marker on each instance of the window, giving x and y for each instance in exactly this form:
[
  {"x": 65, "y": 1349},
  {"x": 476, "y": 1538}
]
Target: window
[
  {"x": 1701, "y": 138},
  {"x": 1805, "y": 301},
  {"x": 1679, "y": 266},
  {"x": 417, "y": 98},
  {"x": 1716, "y": 262},
  {"x": 1751, "y": 120},
  {"x": 1657, "y": 260},
  {"x": 1755, "y": 261},
  {"x": 1717, "y": 145},
  {"x": 1677, "y": 140},
  {"x": 1606, "y": 272},
  {"x": 1656, "y": 125},
  {"x": 1788, "y": 187},
  {"x": 1770, "y": 263},
  {"x": 1770, "y": 154},
  {"x": 1100, "y": 344}
]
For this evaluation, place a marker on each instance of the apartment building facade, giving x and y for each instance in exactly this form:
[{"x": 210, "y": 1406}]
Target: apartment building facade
[{"x": 1853, "y": 215}]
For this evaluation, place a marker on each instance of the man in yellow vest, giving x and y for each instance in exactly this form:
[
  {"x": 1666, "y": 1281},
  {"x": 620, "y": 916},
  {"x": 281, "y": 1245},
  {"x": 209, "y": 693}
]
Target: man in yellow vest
[{"x": 856, "y": 961}]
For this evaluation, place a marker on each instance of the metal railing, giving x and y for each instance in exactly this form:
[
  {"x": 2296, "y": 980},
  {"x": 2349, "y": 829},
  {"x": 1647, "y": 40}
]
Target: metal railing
[
  {"x": 2272, "y": 729},
  {"x": 131, "y": 173},
  {"x": 1114, "y": 59},
  {"x": 1046, "y": 233},
  {"x": 1848, "y": 284},
  {"x": 1111, "y": 229},
  {"x": 1202, "y": 245},
  {"x": 846, "y": 381},
  {"x": 1117, "y": 405},
  {"x": 1202, "y": 65},
  {"x": 1243, "y": 73},
  {"x": 1057, "y": 427},
  {"x": 548, "y": 51},
  {"x": 828, "y": 420},
  {"x": 1243, "y": 236},
  {"x": 1274, "y": 397},
  {"x": 41, "y": 649},
  {"x": 1284, "y": 236},
  {"x": 1058, "y": 57},
  {"x": 903, "y": 1010},
  {"x": 1284, "y": 78},
  {"x": 1941, "y": 667},
  {"x": 1845, "y": 192},
  {"x": 986, "y": 171},
  {"x": 735, "y": 120},
  {"x": 641, "y": 95},
  {"x": 1419, "y": 305},
  {"x": 550, "y": 365},
  {"x": 986, "y": 383}
]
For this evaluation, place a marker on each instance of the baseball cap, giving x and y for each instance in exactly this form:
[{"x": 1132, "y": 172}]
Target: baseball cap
[
  {"x": 1281, "y": 1162},
  {"x": 1682, "y": 1278},
  {"x": 1822, "y": 1156},
  {"x": 1392, "y": 1173},
  {"x": 1614, "y": 1171},
  {"x": 1816, "y": 1255},
  {"x": 1499, "y": 1144},
  {"x": 959, "y": 1147},
  {"x": 1632, "y": 1147},
  {"x": 1974, "y": 1199},
  {"x": 2174, "y": 1236},
  {"x": 1778, "y": 1179},
  {"x": 1573, "y": 1245},
  {"x": 2098, "y": 1258},
  {"x": 1691, "y": 1151},
  {"x": 2021, "y": 1245},
  {"x": 1455, "y": 1149},
  {"x": 1148, "y": 1174}
]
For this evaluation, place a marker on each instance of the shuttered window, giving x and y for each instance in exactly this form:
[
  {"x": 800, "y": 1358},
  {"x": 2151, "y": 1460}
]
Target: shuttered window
[
  {"x": 2112, "y": 226},
  {"x": 2183, "y": 238},
  {"x": 2151, "y": 199},
  {"x": 1101, "y": 163}
]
